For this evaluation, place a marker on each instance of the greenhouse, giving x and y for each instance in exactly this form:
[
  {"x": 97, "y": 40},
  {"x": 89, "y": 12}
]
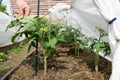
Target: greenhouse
[{"x": 59, "y": 40}]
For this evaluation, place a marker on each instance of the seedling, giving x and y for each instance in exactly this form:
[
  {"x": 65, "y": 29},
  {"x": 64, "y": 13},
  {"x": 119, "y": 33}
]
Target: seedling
[{"x": 96, "y": 45}]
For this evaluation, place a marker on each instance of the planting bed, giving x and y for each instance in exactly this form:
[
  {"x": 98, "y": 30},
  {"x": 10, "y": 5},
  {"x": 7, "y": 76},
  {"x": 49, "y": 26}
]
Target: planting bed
[
  {"x": 16, "y": 54},
  {"x": 65, "y": 66}
]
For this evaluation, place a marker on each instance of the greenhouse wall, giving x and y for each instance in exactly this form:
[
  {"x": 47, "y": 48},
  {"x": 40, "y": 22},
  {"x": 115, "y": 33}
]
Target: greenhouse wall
[{"x": 44, "y": 5}]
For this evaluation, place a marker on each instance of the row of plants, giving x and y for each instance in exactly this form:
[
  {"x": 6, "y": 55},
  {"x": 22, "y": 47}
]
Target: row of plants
[{"x": 49, "y": 34}]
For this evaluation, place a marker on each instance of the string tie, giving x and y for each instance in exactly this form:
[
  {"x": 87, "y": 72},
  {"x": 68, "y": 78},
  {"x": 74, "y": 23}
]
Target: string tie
[{"x": 110, "y": 22}]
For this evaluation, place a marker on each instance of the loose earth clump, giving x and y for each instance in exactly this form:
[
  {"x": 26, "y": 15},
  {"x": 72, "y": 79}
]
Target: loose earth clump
[{"x": 65, "y": 66}]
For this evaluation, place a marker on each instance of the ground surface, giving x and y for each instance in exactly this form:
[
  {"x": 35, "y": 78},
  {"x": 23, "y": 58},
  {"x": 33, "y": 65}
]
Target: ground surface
[
  {"x": 13, "y": 60},
  {"x": 66, "y": 66}
]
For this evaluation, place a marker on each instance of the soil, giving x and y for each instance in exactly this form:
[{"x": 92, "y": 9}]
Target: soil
[
  {"x": 12, "y": 60},
  {"x": 65, "y": 66}
]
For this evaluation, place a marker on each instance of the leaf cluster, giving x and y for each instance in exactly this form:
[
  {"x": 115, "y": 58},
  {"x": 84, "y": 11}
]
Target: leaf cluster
[
  {"x": 3, "y": 57},
  {"x": 48, "y": 34},
  {"x": 3, "y": 8},
  {"x": 96, "y": 45}
]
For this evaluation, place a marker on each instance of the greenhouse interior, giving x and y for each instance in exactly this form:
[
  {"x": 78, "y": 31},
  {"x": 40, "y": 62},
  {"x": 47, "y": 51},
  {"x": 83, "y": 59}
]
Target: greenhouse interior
[{"x": 59, "y": 40}]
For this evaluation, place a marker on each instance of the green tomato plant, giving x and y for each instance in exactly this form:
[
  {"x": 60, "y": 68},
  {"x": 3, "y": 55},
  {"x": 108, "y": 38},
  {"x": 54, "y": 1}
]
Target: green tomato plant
[
  {"x": 96, "y": 45},
  {"x": 48, "y": 34}
]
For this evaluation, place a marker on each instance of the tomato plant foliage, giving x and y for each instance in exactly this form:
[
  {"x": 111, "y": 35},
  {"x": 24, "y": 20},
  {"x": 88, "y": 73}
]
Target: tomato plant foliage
[
  {"x": 48, "y": 34},
  {"x": 3, "y": 8},
  {"x": 96, "y": 45}
]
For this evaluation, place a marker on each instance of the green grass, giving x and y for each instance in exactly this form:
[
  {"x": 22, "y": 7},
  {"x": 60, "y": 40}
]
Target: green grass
[{"x": 14, "y": 50}]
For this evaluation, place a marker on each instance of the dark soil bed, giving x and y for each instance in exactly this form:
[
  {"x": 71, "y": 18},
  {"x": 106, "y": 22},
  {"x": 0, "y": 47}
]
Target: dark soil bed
[{"x": 66, "y": 66}]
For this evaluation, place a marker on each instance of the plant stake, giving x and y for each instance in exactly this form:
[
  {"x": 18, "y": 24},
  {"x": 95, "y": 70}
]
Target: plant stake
[{"x": 36, "y": 56}]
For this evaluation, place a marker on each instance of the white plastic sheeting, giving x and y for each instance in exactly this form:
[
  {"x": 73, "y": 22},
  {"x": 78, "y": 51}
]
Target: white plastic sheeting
[
  {"x": 82, "y": 14},
  {"x": 58, "y": 11},
  {"x": 110, "y": 9},
  {"x": 85, "y": 15},
  {"x": 5, "y": 36}
]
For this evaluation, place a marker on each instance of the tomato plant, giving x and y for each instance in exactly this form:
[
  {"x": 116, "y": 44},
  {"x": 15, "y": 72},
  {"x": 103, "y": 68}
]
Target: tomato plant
[
  {"x": 96, "y": 45},
  {"x": 48, "y": 34}
]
